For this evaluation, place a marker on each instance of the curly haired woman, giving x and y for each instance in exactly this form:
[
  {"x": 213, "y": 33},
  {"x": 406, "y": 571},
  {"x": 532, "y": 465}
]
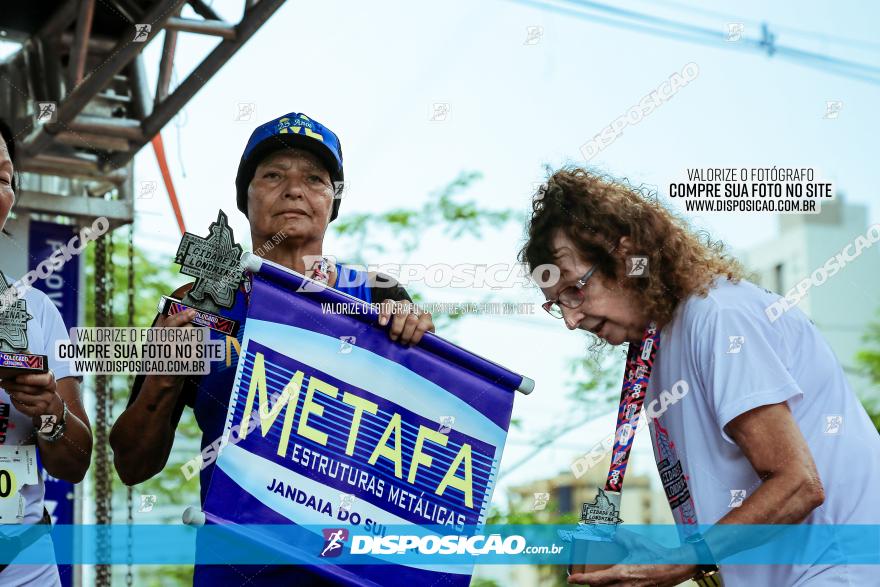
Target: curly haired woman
[{"x": 756, "y": 437}]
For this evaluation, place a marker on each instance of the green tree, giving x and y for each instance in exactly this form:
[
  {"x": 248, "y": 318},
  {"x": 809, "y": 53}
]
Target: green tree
[
  {"x": 869, "y": 360},
  {"x": 371, "y": 232},
  {"x": 368, "y": 231},
  {"x": 153, "y": 278}
]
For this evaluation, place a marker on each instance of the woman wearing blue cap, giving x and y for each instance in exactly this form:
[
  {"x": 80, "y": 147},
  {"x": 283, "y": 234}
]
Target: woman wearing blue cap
[{"x": 288, "y": 185}]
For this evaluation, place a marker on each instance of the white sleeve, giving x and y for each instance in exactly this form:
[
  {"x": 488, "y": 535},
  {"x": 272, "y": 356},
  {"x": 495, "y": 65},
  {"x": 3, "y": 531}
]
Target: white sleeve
[
  {"x": 741, "y": 374},
  {"x": 54, "y": 330}
]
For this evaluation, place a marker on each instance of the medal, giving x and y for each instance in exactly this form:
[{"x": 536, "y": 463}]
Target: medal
[
  {"x": 594, "y": 536},
  {"x": 14, "y": 317},
  {"x": 215, "y": 263}
]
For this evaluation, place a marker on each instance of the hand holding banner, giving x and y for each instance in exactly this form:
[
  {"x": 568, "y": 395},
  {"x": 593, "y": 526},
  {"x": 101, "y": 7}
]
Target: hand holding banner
[{"x": 364, "y": 432}]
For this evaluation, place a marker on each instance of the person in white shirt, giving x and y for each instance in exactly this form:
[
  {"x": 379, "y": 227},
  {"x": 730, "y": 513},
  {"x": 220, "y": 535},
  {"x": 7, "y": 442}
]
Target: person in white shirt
[
  {"x": 768, "y": 430},
  {"x": 64, "y": 446}
]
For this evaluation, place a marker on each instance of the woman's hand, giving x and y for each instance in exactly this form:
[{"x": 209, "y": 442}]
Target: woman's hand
[
  {"x": 627, "y": 574},
  {"x": 180, "y": 320},
  {"x": 624, "y": 575},
  {"x": 39, "y": 394},
  {"x": 408, "y": 324},
  {"x": 35, "y": 395}
]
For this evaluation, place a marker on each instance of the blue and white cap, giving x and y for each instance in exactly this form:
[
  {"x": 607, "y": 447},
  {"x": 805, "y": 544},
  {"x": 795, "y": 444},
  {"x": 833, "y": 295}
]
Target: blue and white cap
[{"x": 293, "y": 130}]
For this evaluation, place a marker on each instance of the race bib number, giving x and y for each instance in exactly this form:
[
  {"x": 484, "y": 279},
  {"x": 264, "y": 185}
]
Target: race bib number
[
  {"x": 20, "y": 461},
  {"x": 18, "y": 467}
]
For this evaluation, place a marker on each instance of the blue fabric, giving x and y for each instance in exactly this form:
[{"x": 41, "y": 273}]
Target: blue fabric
[
  {"x": 210, "y": 404},
  {"x": 212, "y": 394},
  {"x": 297, "y": 124},
  {"x": 350, "y": 275}
]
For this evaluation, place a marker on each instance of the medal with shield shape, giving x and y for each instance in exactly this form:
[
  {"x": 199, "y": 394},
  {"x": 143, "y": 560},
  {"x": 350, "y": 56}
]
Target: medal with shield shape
[
  {"x": 14, "y": 318},
  {"x": 215, "y": 263}
]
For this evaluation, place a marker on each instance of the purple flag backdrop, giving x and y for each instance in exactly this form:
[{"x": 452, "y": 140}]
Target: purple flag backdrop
[{"x": 62, "y": 289}]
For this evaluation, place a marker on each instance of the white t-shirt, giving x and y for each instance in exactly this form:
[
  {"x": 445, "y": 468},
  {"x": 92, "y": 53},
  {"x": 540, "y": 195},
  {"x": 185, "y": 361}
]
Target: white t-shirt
[
  {"x": 734, "y": 360},
  {"x": 43, "y": 330}
]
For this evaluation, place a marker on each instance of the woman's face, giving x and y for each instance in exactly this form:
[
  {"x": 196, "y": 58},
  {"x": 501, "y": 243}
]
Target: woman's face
[
  {"x": 609, "y": 310},
  {"x": 7, "y": 196},
  {"x": 291, "y": 192}
]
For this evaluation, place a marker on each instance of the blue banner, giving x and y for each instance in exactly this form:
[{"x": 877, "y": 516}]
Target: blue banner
[
  {"x": 233, "y": 544},
  {"x": 335, "y": 427},
  {"x": 62, "y": 287}
]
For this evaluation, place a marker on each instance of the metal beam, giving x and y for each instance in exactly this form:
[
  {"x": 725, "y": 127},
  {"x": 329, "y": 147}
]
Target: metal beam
[
  {"x": 204, "y": 10},
  {"x": 83, "y": 165},
  {"x": 54, "y": 72},
  {"x": 164, "y": 112},
  {"x": 91, "y": 141},
  {"x": 119, "y": 211},
  {"x": 97, "y": 147},
  {"x": 102, "y": 44},
  {"x": 129, "y": 10},
  {"x": 217, "y": 28},
  {"x": 80, "y": 50},
  {"x": 140, "y": 91},
  {"x": 76, "y": 100},
  {"x": 117, "y": 127},
  {"x": 166, "y": 64},
  {"x": 33, "y": 62}
]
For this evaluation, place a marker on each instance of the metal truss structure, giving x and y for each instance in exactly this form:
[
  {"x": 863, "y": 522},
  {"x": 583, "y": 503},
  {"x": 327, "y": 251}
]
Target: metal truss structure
[{"x": 78, "y": 99}]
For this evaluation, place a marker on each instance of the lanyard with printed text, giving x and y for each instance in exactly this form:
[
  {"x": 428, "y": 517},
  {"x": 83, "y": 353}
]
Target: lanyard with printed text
[{"x": 639, "y": 361}]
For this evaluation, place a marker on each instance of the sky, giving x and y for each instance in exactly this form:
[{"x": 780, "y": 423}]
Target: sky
[{"x": 373, "y": 72}]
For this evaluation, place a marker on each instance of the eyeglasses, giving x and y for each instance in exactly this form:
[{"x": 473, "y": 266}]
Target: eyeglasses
[{"x": 571, "y": 297}]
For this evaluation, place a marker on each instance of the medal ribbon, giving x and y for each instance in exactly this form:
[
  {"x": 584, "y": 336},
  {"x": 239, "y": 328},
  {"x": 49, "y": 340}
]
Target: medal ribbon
[{"x": 639, "y": 362}]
